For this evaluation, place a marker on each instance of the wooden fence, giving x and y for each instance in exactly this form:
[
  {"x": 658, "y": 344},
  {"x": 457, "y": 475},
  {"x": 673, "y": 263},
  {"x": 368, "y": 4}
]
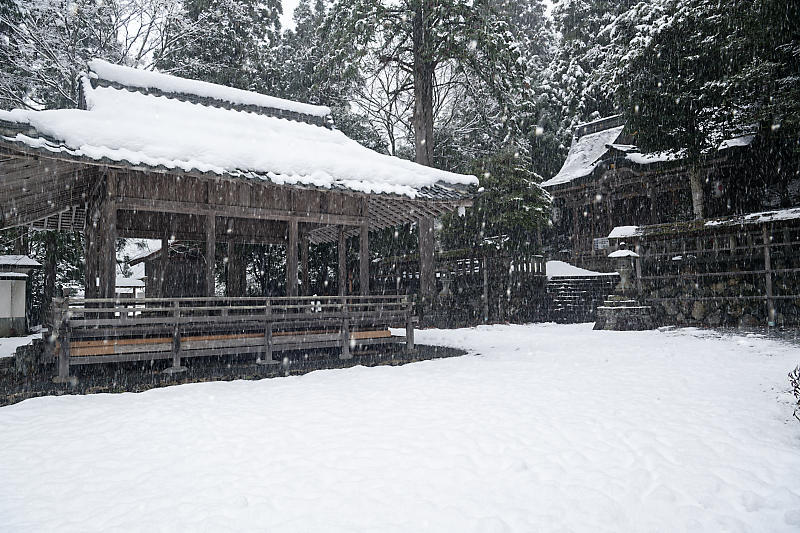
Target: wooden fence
[
  {"x": 744, "y": 274},
  {"x": 472, "y": 287},
  {"x": 103, "y": 330}
]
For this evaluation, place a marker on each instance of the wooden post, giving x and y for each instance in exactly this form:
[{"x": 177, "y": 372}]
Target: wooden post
[
  {"x": 363, "y": 255},
  {"x": 342, "y": 253},
  {"x": 345, "y": 332},
  {"x": 163, "y": 262},
  {"x": 267, "y": 359},
  {"x": 291, "y": 259},
  {"x": 91, "y": 246},
  {"x": 211, "y": 254},
  {"x": 64, "y": 339},
  {"x": 638, "y": 264},
  {"x": 485, "y": 268},
  {"x": 305, "y": 277},
  {"x": 107, "y": 259},
  {"x": 575, "y": 234},
  {"x": 768, "y": 278},
  {"x": 409, "y": 325},
  {"x": 176, "y": 342},
  {"x": 427, "y": 280}
]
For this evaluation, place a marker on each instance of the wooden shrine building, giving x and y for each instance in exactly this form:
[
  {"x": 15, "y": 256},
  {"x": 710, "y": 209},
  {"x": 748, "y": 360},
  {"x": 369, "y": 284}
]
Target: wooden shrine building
[
  {"x": 149, "y": 155},
  {"x": 607, "y": 182}
]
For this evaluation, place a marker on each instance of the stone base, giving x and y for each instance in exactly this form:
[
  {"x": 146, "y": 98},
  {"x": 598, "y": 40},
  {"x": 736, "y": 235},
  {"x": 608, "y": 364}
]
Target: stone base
[{"x": 622, "y": 314}]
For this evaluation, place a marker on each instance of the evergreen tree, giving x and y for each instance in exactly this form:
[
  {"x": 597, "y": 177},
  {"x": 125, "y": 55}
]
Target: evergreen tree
[
  {"x": 45, "y": 44},
  {"x": 686, "y": 89},
  {"x": 235, "y": 46},
  {"x": 512, "y": 207},
  {"x": 439, "y": 44}
]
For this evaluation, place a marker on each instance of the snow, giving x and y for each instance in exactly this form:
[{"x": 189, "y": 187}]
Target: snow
[
  {"x": 18, "y": 261},
  {"x": 13, "y": 275},
  {"x": 8, "y": 346},
  {"x": 146, "y": 79},
  {"x": 758, "y": 218},
  {"x": 541, "y": 428},
  {"x": 561, "y": 269},
  {"x": 623, "y": 253},
  {"x": 620, "y": 232},
  {"x": 583, "y": 156},
  {"x": 744, "y": 140},
  {"x": 123, "y": 282},
  {"x": 654, "y": 157},
  {"x": 151, "y": 130}
]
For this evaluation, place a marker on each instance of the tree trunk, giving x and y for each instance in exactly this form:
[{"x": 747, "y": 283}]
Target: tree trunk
[
  {"x": 423, "y": 86},
  {"x": 696, "y": 182}
]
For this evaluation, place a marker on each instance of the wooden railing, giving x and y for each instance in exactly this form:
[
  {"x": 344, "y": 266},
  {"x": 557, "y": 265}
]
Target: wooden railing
[{"x": 102, "y": 330}]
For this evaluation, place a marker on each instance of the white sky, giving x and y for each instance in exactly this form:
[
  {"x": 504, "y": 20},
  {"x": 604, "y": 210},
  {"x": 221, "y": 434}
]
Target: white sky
[{"x": 289, "y": 5}]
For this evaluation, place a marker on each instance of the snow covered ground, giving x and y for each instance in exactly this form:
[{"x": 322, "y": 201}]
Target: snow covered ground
[{"x": 541, "y": 428}]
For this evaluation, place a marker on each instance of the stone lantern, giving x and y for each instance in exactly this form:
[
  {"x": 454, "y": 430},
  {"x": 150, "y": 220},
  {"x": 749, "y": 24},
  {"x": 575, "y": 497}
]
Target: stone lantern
[{"x": 621, "y": 311}]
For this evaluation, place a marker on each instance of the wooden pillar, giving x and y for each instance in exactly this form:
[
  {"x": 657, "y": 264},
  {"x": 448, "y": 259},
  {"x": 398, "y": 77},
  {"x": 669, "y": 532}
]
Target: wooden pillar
[
  {"x": 427, "y": 280},
  {"x": 163, "y": 263},
  {"x": 107, "y": 263},
  {"x": 306, "y": 289},
  {"x": 363, "y": 256},
  {"x": 575, "y": 234},
  {"x": 341, "y": 251},
  {"x": 768, "y": 277},
  {"x": 291, "y": 259},
  {"x": 91, "y": 247},
  {"x": 211, "y": 253}
]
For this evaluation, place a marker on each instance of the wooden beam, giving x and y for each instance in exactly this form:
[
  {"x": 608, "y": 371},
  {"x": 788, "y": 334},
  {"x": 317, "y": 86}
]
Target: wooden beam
[
  {"x": 341, "y": 251},
  {"x": 291, "y": 259},
  {"x": 363, "y": 257},
  {"x": 427, "y": 280},
  {"x": 195, "y": 208},
  {"x": 211, "y": 253}
]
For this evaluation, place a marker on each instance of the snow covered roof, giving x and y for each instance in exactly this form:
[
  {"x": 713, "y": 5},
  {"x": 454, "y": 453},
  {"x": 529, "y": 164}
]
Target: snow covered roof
[
  {"x": 762, "y": 217},
  {"x": 174, "y": 85},
  {"x": 153, "y": 129},
  {"x": 593, "y": 140},
  {"x": 620, "y": 232},
  {"x": 584, "y": 155},
  {"x": 623, "y": 253},
  {"x": 13, "y": 275},
  {"x": 18, "y": 261}
]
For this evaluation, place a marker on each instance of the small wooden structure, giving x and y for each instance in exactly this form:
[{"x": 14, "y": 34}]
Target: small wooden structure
[
  {"x": 154, "y": 156},
  {"x": 14, "y": 270}
]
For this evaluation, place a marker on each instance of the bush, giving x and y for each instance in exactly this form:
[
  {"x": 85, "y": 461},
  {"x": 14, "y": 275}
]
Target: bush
[{"x": 794, "y": 379}]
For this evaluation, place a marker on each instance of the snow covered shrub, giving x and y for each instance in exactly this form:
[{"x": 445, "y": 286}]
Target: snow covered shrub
[{"x": 794, "y": 379}]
